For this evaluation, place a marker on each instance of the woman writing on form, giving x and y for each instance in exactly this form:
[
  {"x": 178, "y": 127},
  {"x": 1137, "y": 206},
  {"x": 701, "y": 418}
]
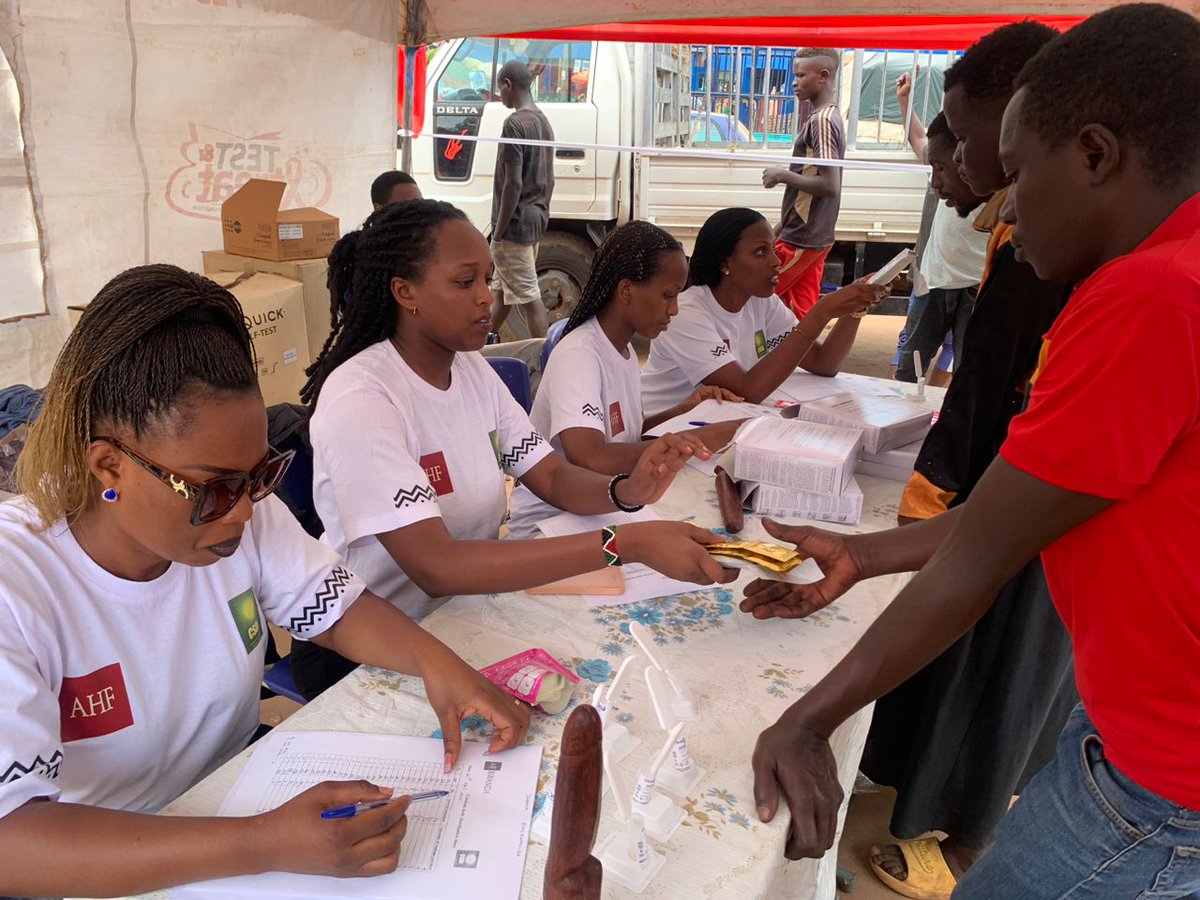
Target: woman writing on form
[{"x": 140, "y": 569}]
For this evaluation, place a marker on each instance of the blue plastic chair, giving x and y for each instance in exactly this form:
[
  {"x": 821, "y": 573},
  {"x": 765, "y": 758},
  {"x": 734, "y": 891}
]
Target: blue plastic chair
[
  {"x": 515, "y": 375},
  {"x": 553, "y": 336},
  {"x": 278, "y": 680}
]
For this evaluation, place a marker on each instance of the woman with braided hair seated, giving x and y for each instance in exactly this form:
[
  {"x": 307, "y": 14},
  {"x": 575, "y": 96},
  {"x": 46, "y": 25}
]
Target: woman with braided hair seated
[
  {"x": 142, "y": 564},
  {"x": 589, "y": 405},
  {"x": 733, "y": 332},
  {"x": 413, "y": 434}
]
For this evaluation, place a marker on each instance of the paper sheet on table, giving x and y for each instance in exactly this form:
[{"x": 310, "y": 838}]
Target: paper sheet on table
[
  {"x": 641, "y": 582},
  {"x": 709, "y": 411},
  {"x": 803, "y": 386},
  {"x": 469, "y": 844}
]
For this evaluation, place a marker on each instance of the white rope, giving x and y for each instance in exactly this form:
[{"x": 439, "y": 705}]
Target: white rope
[{"x": 720, "y": 156}]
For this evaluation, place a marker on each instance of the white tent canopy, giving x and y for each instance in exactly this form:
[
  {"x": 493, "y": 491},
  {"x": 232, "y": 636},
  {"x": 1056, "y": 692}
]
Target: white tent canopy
[{"x": 123, "y": 125}]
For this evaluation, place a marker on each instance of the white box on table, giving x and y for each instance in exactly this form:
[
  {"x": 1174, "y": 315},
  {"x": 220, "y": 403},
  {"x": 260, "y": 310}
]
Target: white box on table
[
  {"x": 770, "y": 500},
  {"x": 787, "y": 453},
  {"x": 886, "y": 422},
  {"x": 894, "y": 465}
]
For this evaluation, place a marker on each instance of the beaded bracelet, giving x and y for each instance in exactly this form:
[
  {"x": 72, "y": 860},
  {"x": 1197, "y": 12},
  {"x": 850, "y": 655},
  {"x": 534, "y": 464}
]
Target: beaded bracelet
[
  {"x": 608, "y": 541},
  {"x": 612, "y": 494}
]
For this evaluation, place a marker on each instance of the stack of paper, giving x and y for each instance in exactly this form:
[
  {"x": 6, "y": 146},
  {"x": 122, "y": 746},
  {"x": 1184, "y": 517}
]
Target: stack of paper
[
  {"x": 469, "y": 843},
  {"x": 769, "y": 500},
  {"x": 886, "y": 422},
  {"x": 802, "y": 456},
  {"x": 709, "y": 412}
]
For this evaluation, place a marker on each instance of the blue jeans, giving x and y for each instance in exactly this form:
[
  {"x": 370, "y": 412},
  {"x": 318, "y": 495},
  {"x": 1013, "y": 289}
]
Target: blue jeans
[
  {"x": 931, "y": 317},
  {"x": 1084, "y": 831}
]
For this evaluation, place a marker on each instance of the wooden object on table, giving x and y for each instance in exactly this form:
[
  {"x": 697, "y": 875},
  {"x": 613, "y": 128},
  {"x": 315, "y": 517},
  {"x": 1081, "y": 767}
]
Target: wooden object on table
[
  {"x": 730, "y": 502},
  {"x": 572, "y": 873},
  {"x": 606, "y": 582}
]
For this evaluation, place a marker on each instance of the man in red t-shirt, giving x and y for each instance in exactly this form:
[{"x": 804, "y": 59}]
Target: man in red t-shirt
[{"x": 1101, "y": 474}]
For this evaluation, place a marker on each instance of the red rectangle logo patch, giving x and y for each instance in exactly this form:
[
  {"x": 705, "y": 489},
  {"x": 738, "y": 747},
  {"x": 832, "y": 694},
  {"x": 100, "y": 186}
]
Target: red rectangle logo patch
[
  {"x": 438, "y": 474},
  {"x": 94, "y": 705},
  {"x": 616, "y": 422}
]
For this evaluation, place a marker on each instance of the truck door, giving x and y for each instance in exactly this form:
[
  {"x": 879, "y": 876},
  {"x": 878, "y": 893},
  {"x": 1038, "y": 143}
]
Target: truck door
[{"x": 465, "y": 103}]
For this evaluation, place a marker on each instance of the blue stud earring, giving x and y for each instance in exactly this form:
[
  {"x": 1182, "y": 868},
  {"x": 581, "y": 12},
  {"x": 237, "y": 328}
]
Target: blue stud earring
[{"x": 109, "y": 495}]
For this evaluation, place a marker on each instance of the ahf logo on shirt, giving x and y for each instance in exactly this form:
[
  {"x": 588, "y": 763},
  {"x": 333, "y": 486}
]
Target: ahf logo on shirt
[
  {"x": 437, "y": 472},
  {"x": 94, "y": 705},
  {"x": 760, "y": 344},
  {"x": 616, "y": 421},
  {"x": 244, "y": 609}
]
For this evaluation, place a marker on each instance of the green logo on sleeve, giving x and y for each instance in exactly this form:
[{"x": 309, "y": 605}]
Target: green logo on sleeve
[
  {"x": 760, "y": 344},
  {"x": 244, "y": 609},
  {"x": 494, "y": 437}
]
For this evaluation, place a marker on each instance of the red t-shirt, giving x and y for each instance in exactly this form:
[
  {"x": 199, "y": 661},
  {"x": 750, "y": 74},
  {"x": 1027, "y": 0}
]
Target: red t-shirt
[{"x": 1115, "y": 413}]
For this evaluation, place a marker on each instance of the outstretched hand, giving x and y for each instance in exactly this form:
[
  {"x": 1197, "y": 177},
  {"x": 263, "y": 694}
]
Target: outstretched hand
[{"x": 833, "y": 554}]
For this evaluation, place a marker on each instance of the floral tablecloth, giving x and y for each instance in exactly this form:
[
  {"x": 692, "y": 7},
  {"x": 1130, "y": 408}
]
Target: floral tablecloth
[{"x": 744, "y": 673}]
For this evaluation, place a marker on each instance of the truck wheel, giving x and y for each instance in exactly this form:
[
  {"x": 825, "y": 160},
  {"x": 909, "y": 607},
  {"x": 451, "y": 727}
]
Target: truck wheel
[{"x": 563, "y": 263}]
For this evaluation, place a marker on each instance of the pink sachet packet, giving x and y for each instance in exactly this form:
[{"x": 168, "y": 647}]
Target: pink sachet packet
[{"x": 535, "y": 677}]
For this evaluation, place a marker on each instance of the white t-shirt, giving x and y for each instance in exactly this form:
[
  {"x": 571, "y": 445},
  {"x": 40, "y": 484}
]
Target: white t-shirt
[
  {"x": 390, "y": 450},
  {"x": 705, "y": 337},
  {"x": 587, "y": 384},
  {"x": 123, "y": 694},
  {"x": 956, "y": 252}
]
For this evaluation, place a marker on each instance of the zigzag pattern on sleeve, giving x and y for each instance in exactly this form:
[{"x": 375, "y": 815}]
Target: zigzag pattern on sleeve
[
  {"x": 331, "y": 588},
  {"x": 48, "y": 767},
  {"x": 520, "y": 450},
  {"x": 414, "y": 495}
]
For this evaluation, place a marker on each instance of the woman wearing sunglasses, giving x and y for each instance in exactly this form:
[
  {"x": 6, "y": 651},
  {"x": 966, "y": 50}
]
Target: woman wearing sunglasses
[
  {"x": 413, "y": 434},
  {"x": 141, "y": 567}
]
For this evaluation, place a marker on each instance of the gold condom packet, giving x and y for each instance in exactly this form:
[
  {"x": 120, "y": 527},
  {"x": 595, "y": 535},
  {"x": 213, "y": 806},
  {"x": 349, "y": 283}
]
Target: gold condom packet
[{"x": 773, "y": 557}]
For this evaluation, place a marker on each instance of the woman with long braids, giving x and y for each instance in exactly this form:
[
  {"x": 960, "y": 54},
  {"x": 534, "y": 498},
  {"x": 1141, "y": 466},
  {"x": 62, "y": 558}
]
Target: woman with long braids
[
  {"x": 589, "y": 405},
  {"x": 413, "y": 433},
  {"x": 733, "y": 332},
  {"x": 140, "y": 569}
]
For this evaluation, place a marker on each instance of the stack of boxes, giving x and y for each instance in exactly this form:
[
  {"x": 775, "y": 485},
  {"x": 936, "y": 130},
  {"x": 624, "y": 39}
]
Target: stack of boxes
[
  {"x": 802, "y": 465},
  {"x": 274, "y": 262}
]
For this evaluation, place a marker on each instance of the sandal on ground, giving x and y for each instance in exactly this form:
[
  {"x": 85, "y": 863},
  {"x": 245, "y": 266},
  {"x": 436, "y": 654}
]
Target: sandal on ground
[{"x": 929, "y": 876}]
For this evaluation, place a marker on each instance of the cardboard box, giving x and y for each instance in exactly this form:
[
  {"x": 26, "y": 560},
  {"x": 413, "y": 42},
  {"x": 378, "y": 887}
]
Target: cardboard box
[
  {"x": 254, "y": 225},
  {"x": 274, "y": 311},
  {"x": 311, "y": 273},
  {"x": 73, "y": 314}
]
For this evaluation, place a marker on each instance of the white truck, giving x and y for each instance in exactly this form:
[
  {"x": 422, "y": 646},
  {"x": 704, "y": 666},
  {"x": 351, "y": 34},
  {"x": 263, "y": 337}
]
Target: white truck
[{"x": 666, "y": 97}]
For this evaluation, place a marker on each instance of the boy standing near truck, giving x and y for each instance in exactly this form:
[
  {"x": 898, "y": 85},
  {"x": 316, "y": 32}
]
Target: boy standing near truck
[{"x": 812, "y": 194}]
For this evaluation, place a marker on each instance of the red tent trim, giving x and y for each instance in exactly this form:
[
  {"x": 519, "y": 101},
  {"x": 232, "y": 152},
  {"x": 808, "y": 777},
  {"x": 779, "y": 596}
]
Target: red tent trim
[{"x": 895, "y": 31}]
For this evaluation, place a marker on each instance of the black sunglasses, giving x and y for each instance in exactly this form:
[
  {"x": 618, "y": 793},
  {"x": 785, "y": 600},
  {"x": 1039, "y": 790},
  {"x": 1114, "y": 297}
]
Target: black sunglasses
[{"x": 215, "y": 497}]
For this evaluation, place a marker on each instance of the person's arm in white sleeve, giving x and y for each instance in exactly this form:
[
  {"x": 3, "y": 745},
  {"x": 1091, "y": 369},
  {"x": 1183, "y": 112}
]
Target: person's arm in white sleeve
[{"x": 441, "y": 565}]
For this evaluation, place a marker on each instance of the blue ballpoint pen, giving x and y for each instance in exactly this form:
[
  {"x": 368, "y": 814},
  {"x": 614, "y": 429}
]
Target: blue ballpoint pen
[
  {"x": 699, "y": 424},
  {"x": 351, "y": 810}
]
